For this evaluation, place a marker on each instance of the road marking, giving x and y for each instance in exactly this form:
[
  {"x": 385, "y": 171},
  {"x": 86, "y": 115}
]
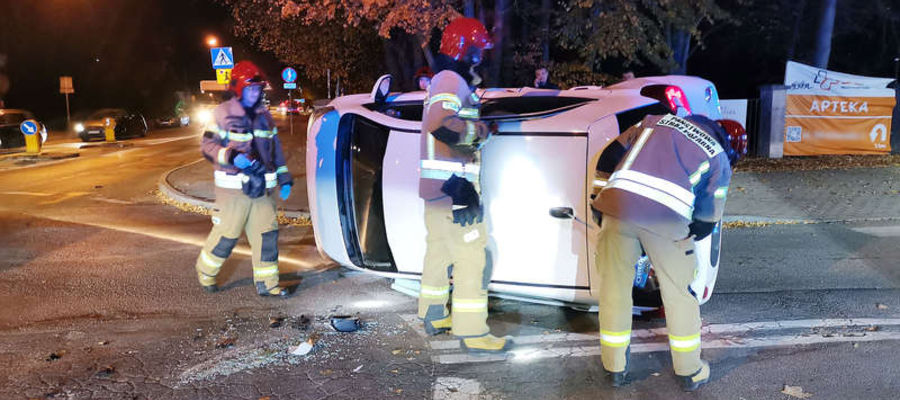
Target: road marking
[
  {"x": 880, "y": 231},
  {"x": 450, "y": 388},
  {"x": 28, "y": 194},
  {"x": 717, "y": 336},
  {"x": 522, "y": 355}
]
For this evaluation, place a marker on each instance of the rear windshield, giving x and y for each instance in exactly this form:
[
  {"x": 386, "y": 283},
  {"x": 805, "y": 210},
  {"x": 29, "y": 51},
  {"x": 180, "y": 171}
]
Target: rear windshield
[{"x": 512, "y": 106}]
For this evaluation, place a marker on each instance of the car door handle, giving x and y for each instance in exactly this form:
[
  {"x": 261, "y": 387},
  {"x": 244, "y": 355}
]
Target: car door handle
[{"x": 562, "y": 212}]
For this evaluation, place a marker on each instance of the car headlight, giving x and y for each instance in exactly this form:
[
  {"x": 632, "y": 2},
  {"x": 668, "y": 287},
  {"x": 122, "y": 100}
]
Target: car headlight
[
  {"x": 79, "y": 127},
  {"x": 203, "y": 116}
]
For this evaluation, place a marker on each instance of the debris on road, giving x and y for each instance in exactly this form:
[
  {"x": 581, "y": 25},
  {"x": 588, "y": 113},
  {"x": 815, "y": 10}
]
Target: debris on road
[
  {"x": 355, "y": 370},
  {"x": 301, "y": 323},
  {"x": 881, "y": 306},
  {"x": 225, "y": 343},
  {"x": 105, "y": 372},
  {"x": 873, "y": 328},
  {"x": 795, "y": 391},
  {"x": 55, "y": 356},
  {"x": 275, "y": 322},
  {"x": 345, "y": 323},
  {"x": 303, "y": 349}
]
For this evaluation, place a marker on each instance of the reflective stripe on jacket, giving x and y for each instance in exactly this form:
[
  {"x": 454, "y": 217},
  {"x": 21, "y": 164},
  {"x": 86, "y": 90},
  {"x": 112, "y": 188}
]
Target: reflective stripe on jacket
[
  {"x": 451, "y": 133},
  {"x": 234, "y": 132},
  {"x": 672, "y": 172}
]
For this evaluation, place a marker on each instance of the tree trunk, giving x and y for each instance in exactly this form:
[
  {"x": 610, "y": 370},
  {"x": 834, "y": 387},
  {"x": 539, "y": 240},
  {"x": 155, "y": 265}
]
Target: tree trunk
[
  {"x": 823, "y": 34},
  {"x": 545, "y": 30},
  {"x": 680, "y": 43},
  {"x": 426, "y": 51},
  {"x": 795, "y": 35},
  {"x": 499, "y": 33}
]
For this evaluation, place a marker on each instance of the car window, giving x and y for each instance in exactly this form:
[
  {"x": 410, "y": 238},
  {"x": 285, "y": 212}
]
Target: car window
[
  {"x": 107, "y": 112},
  {"x": 11, "y": 118},
  {"x": 407, "y": 110},
  {"x": 512, "y": 106}
]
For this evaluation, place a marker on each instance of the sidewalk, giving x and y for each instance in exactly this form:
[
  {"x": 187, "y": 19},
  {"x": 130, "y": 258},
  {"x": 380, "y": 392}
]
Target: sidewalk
[{"x": 759, "y": 195}]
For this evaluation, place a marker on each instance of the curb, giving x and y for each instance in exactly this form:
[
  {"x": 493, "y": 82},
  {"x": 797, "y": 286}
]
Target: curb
[
  {"x": 171, "y": 192},
  {"x": 755, "y": 220}
]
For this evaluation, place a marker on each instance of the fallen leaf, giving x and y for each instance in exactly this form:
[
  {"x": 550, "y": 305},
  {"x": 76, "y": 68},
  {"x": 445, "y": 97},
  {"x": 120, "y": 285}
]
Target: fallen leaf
[
  {"x": 357, "y": 368},
  {"x": 265, "y": 398},
  {"x": 55, "y": 356},
  {"x": 795, "y": 391},
  {"x": 103, "y": 343},
  {"x": 326, "y": 372},
  {"x": 398, "y": 391},
  {"x": 395, "y": 352},
  {"x": 873, "y": 328},
  {"x": 395, "y": 371},
  {"x": 881, "y": 306},
  {"x": 655, "y": 374}
]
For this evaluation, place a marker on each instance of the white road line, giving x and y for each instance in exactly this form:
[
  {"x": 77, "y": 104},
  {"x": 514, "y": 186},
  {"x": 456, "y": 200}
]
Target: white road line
[
  {"x": 713, "y": 329},
  {"x": 523, "y": 355}
]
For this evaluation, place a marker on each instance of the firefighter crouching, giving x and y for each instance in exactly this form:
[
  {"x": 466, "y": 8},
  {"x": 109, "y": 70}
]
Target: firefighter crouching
[
  {"x": 449, "y": 172},
  {"x": 669, "y": 180},
  {"x": 244, "y": 147}
]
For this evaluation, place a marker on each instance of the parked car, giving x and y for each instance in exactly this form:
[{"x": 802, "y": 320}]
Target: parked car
[
  {"x": 10, "y": 134},
  {"x": 128, "y": 124},
  {"x": 362, "y": 171}
]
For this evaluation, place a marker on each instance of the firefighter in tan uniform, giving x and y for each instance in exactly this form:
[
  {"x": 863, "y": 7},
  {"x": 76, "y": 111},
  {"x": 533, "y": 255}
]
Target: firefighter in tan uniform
[
  {"x": 244, "y": 147},
  {"x": 449, "y": 171},
  {"x": 669, "y": 180}
]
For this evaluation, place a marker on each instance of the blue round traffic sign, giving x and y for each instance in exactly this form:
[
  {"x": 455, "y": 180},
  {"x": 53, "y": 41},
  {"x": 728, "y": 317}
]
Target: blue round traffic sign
[
  {"x": 289, "y": 74},
  {"x": 29, "y": 127}
]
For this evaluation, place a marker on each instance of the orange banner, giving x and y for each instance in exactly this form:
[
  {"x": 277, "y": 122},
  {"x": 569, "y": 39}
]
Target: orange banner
[{"x": 822, "y": 124}]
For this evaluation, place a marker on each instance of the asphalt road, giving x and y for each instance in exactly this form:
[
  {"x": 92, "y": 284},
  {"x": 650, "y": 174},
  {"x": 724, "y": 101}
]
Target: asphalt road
[{"x": 100, "y": 301}]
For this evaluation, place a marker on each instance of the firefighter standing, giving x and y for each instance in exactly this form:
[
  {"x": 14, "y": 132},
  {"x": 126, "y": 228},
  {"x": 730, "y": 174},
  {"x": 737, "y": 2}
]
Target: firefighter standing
[
  {"x": 244, "y": 147},
  {"x": 449, "y": 172},
  {"x": 667, "y": 191}
]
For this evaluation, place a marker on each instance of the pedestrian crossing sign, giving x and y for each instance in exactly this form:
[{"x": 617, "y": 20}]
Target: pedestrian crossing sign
[{"x": 222, "y": 57}]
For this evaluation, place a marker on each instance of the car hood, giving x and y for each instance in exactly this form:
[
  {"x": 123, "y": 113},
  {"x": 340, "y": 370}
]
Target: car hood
[{"x": 94, "y": 123}]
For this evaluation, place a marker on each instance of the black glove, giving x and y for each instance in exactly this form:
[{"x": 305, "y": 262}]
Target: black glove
[
  {"x": 466, "y": 202},
  {"x": 598, "y": 216},
  {"x": 255, "y": 184},
  {"x": 701, "y": 229}
]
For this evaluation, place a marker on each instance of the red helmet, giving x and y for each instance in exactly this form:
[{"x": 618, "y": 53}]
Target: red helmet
[
  {"x": 463, "y": 34},
  {"x": 737, "y": 134},
  {"x": 244, "y": 74}
]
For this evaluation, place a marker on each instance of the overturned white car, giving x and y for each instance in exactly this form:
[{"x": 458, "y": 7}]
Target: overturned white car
[{"x": 537, "y": 176}]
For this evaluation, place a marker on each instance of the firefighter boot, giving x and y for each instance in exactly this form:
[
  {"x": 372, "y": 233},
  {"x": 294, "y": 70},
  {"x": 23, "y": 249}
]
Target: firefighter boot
[
  {"x": 438, "y": 326},
  {"x": 619, "y": 379},
  {"x": 694, "y": 381},
  {"x": 486, "y": 344},
  {"x": 277, "y": 291}
]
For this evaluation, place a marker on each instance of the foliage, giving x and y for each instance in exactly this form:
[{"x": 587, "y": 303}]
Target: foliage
[{"x": 635, "y": 31}]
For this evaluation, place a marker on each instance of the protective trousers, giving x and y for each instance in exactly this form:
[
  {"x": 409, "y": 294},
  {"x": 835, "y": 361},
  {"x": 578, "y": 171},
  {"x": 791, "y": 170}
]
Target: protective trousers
[
  {"x": 463, "y": 249},
  {"x": 618, "y": 249},
  {"x": 235, "y": 212}
]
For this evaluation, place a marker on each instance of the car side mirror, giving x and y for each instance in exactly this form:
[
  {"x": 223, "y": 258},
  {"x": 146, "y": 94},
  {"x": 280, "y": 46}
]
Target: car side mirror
[
  {"x": 562, "y": 212},
  {"x": 381, "y": 89}
]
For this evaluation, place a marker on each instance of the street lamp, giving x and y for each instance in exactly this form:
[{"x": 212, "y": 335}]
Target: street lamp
[{"x": 212, "y": 41}]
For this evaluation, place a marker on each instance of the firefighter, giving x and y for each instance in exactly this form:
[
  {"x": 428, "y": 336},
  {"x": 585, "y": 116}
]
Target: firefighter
[
  {"x": 244, "y": 147},
  {"x": 669, "y": 180},
  {"x": 457, "y": 236}
]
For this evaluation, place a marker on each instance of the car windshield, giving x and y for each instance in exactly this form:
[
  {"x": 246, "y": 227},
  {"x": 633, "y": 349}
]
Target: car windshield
[
  {"x": 12, "y": 118},
  {"x": 107, "y": 112}
]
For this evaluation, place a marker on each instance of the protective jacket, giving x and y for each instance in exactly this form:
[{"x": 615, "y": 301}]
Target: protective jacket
[
  {"x": 451, "y": 134},
  {"x": 255, "y": 135},
  {"x": 672, "y": 172}
]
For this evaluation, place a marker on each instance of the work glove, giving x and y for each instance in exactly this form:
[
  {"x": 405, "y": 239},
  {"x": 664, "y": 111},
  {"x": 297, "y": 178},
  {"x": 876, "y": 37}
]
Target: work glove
[
  {"x": 701, "y": 229},
  {"x": 242, "y": 161},
  {"x": 254, "y": 184},
  {"x": 598, "y": 216},
  {"x": 467, "y": 208},
  {"x": 285, "y": 192}
]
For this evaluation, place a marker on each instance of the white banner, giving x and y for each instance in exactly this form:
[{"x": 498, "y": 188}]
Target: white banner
[
  {"x": 808, "y": 78},
  {"x": 735, "y": 110}
]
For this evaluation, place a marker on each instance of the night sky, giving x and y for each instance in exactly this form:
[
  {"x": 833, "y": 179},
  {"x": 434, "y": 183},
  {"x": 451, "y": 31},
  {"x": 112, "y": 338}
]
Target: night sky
[{"x": 120, "y": 53}]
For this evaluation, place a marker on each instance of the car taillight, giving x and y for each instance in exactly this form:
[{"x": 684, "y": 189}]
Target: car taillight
[{"x": 677, "y": 99}]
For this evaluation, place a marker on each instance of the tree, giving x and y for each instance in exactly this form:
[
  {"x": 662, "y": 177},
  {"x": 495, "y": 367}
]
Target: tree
[{"x": 824, "y": 33}]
